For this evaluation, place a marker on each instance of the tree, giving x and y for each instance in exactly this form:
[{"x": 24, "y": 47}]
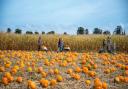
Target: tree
[
  {"x": 51, "y": 32},
  {"x": 106, "y": 32},
  {"x": 43, "y": 32},
  {"x": 9, "y": 30},
  {"x": 80, "y": 30},
  {"x": 97, "y": 31},
  {"x": 65, "y": 33},
  {"x": 36, "y": 32},
  {"x": 18, "y": 31},
  {"x": 118, "y": 30},
  {"x": 86, "y": 31},
  {"x": 29, "y": 32}
]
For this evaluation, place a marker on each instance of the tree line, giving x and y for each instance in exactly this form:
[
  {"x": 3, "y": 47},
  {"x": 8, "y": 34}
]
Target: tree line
[{"x": 80, "y": 31}]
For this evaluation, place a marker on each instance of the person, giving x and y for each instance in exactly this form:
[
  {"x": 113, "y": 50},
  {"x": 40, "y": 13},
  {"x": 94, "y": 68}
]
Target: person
[
  {"x": 104, "y": 45},
  {"x": 39, "y": 43},
  {"x": 109, "y": 45},
  {"x": 60, "y": 45}
]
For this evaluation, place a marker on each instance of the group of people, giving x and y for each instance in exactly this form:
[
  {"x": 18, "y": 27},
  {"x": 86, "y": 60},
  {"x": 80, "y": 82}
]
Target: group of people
[
  {"x": 60, "y": 44},
  {"x": 107, "y": 46}
]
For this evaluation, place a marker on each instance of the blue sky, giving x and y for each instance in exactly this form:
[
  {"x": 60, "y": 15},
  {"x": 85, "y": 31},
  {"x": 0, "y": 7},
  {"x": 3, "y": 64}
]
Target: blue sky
[{"x": 63, "y": 15}]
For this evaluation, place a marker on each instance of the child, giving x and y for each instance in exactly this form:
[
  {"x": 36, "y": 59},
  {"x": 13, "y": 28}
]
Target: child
[{"x": 60, "y": 45}]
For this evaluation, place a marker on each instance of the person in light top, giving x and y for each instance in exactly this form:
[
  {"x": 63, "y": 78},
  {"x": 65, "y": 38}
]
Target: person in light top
[{"x": 39, "y": 43}]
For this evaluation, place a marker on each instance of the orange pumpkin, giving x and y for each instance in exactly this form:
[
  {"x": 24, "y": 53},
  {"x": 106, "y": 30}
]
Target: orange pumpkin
[
  {"x": 104, "y": 85},
  {"x": 69, "y": 71},
  {"x": 5, "y": 80},
  {"x": 78, "y": 69},
  {"x": 13, "y": 71},
  {"x": 2, "y": 69},
  {"x": 97, "y": 83},
  {"x": 19, "y": 79},
  {"x": 126, "y": 79},
  {"x": 126, "y": 67},
  {"x": 10, "y": 79},
  {"x": 31, "y": 84},
  {"x": 40, "y": 69},
  {"x": 83, "y": 61},
  {"x": 91, "y": 73},
  {"x": 44, "y": 74},
  {"x": 53, "y": 82},
  {"x": 44, "y": 82},
  {"x": 85, "y": 69}
]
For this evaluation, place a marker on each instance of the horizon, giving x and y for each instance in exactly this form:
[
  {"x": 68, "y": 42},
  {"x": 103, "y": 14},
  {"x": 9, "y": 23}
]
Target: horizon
[{"x": 63, "y": 16}]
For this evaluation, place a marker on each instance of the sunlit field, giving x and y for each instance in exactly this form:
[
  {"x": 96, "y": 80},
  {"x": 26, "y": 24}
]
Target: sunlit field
[
  {"x": 23, "y": 67},
  {"x": 77, "y": 43}
]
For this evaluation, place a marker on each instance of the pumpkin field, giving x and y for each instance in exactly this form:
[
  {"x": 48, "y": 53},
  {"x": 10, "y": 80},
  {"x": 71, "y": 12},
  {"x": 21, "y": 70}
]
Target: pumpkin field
[{"x": 23, "y": 67}]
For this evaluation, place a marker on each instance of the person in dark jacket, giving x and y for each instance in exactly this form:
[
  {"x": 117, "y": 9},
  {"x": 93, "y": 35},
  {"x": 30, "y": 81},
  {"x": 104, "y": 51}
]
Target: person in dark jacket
[
  {"x": 39, "y": 43},
  {"x": 109, "y": 45},
  {"x": 60, "y": 45},
  {"x": 104, "y": 45}
]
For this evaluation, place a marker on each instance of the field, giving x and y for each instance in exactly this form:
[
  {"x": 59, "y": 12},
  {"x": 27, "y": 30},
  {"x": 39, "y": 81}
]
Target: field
[
  {"x": 23, "y": 67},
  {"x": 78, "y": 43}
]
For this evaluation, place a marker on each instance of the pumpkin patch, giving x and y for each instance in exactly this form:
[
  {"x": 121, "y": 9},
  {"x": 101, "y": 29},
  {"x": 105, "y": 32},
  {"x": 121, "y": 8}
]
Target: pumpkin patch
[{"x": 35, "y": 70}]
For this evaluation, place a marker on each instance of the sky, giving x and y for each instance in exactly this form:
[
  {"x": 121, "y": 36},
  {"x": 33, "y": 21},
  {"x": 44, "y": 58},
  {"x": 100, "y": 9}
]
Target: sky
[{"x": 63, "y": 15}]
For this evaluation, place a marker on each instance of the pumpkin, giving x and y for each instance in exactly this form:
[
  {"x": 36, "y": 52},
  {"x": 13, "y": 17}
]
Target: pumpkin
[
  {"x": 87, "y": 82},
  {"x": 126, "y": 67},
  {"x": 75, "y": 76},
  {"x": 91, "y": 73},
  {"x": 40, "y": 69},
  {"x": 29, "y": 69},
  {"x": 107, "y": 71},
  {"x": 56, "y": 71},
  {"x": 126, "y": 72},
  {"x": 13, "y": 71},
  {"x": 2, "y": 69},
  {"x": 44, "y": 82},
  {"x": 44, "y": 74},
  {"x": 53, "y": 82},
  {"x": 104, "y": 85},
  {"x": 78, "y": 69},
  {"x": 97, "y": 84},
  {"x": 7, "y": 74},
  {"x": 19, "y": 79},
  {"x": 59, "y": 78},
  {"x": 69, "y": 71},
  {"x": 121, "y": 78},
  {"x": 5, "y": 80},
  {"x": 95, "y": 66},
  {"x": 85, "y": 69},
  {"x": 10, "y": 78},
  {"x": 31, "y": 84},
  {"x": 83, "y": 61},
  {"x": 126, "y": 79},
  {"x": 116, "y": 79},
  {"x": 51, "y": 71}
]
